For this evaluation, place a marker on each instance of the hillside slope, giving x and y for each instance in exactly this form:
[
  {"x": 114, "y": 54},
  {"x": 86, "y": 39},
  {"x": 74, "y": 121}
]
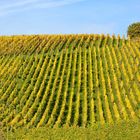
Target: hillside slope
[{"x": 68, "y": 80}]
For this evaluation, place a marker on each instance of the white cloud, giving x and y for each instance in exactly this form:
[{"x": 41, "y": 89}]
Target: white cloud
[
  {"x": 16, "y": 4},
  {"x": 23, "y": 5}
]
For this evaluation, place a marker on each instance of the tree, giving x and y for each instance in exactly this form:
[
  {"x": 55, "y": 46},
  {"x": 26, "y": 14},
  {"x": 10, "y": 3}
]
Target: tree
[{"x": 134, "y": 30}]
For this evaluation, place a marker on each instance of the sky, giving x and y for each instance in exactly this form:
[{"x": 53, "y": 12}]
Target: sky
[{"x": 67, "y": 16}]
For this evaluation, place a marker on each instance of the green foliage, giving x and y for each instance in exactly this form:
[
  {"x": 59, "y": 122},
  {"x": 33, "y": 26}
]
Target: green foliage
[
  {"x": 134, "y": 30},
  {"x": 68, "y": 80}
]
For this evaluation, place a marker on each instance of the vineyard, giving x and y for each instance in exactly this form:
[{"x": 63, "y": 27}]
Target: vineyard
[{"x": 68, "y": 80}]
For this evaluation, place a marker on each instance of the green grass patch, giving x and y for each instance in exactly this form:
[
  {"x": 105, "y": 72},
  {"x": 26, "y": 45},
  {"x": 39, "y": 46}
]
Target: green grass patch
[{"x": 118, "y": 131}]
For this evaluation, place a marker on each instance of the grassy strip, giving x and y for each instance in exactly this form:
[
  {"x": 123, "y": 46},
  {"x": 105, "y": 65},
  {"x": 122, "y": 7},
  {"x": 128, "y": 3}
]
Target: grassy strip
[{"x": 118, "y": 131}]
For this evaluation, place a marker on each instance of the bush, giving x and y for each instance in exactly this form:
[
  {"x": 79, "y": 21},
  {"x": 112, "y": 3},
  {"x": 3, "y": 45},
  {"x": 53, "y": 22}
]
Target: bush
[{"x": 134, "y": 30}]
